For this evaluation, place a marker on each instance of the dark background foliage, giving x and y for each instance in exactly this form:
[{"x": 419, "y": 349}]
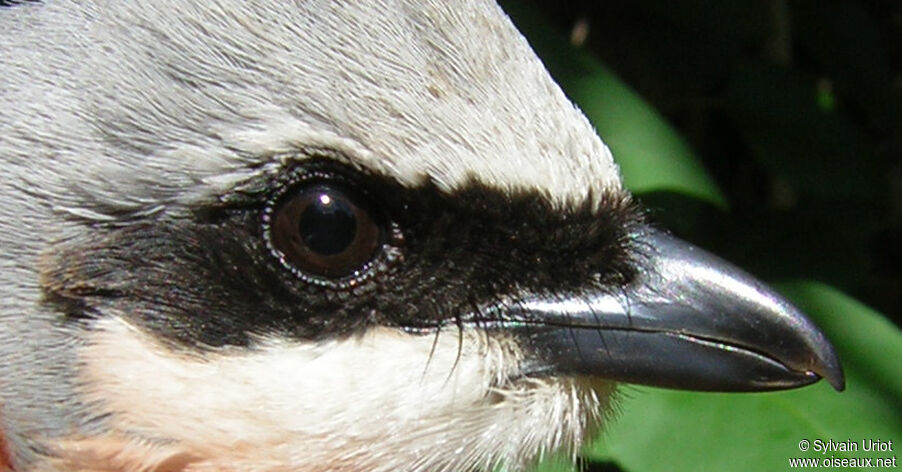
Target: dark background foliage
[
  {"x": 770, "y": 132},
  {"x": 794, "y": 107}
]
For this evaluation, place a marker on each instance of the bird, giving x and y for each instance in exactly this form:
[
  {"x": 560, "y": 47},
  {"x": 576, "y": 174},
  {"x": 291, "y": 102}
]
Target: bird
[{"x": 333, "y": 236}]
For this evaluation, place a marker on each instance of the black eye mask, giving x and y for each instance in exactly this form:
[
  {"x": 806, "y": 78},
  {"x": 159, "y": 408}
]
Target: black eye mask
[{"x": 418, "y": 258}]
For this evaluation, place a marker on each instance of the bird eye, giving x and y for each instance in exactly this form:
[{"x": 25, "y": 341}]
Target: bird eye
[{"x": 325, "y": 230}]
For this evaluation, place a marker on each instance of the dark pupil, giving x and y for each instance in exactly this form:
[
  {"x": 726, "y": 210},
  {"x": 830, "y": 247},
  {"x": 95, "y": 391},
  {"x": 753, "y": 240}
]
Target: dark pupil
[{"x": 328, "y": 225}]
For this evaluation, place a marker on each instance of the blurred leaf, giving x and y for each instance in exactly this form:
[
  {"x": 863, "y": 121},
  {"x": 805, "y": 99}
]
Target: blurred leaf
[
  {"x": 869, "y": 344},
  {"x": 651, "y": 155},
  {"x": 557, "y": 465},
  {"x": 675, "y": 431},
  {"x": 809, "y": 132}
]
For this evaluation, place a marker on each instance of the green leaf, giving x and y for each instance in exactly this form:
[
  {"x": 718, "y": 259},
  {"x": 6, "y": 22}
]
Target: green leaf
[
  {"x": 674, "y": 431},
  {"x": 869, "y": 344},
  {"x": 557, "y": 465},
  {"x": 651, "y": 154}
]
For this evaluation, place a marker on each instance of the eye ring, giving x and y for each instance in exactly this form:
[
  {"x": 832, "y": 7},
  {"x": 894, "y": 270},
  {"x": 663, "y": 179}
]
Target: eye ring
[{"x": 326, "y": 231}]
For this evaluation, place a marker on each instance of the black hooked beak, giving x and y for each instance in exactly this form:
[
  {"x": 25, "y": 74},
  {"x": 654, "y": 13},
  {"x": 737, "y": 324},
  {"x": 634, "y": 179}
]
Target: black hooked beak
[{"x": 689, "y": 321}]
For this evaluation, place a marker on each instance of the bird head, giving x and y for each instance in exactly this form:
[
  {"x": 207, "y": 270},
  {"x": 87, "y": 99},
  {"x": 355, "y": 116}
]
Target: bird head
[{"x": 332, "y": 236}]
